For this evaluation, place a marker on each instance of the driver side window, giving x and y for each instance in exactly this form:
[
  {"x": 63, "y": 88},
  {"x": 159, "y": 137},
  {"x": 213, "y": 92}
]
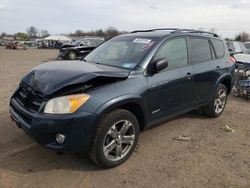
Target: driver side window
[{"x": 175, "y": 52}]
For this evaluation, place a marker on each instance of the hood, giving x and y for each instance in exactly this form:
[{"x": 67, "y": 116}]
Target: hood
[
  {"x": 50, "y": 77},
  {"x": 243, "y": 58},
  {"x": 68, "y": 45}
]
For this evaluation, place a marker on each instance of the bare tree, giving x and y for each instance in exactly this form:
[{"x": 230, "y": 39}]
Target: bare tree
[
  {"x": 44, "y": 33},
  {"x": 242, "y": 36},
  {"x": 32, "y": 31}
]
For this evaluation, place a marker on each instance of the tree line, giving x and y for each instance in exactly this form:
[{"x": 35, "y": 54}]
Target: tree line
[{"x": 33, "y": 32}]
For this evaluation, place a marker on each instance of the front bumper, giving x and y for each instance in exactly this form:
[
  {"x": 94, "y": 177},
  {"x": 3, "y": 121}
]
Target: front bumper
[
  {"x": 62, "y": 54},
  {"x": 78, "y": 128}
]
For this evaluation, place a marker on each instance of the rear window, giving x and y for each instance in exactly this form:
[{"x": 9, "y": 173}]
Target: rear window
[
  {"x": 218, "y": 47},
  {"x": 200, "y": 50}
]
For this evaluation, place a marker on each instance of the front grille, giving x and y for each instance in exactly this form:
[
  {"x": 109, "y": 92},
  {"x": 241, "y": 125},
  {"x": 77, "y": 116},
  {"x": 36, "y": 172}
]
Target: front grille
[{"x": 29, "y": 98}]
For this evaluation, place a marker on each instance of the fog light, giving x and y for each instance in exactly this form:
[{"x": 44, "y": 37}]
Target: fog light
[{"x": 60, "y": 138}]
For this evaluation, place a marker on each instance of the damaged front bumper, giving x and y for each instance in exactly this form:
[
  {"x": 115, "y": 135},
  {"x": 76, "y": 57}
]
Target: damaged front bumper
[{"x": 78, "y": 128}]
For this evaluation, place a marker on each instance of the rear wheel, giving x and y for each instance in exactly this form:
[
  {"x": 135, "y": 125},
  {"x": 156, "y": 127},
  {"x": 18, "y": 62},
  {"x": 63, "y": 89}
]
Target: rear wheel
[
  {"x": 116, "y": 138},
  {"x": 71, "y": 55},
  {"x": 218, "y": 102}
]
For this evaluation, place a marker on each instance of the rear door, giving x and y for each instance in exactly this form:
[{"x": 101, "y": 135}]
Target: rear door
[
  {"x": 205, "y": 65},
  {"x": 170, "y": 91}
]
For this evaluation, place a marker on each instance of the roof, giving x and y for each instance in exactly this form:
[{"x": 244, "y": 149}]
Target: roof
[{"x": 57, "y": 37}]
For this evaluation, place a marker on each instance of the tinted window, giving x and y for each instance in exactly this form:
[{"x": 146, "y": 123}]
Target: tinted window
[
  {"x": 230, "y": 47},
  {"x": 175, "y": 52},
  {"x": 247, "y": 45},
  {"x": 200, "y": 50},
  {"x": 218, "y": 47},
  {"x": 243, "y": 48}
]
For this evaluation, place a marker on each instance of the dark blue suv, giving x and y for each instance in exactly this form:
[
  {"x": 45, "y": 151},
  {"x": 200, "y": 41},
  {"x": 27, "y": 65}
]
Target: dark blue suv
[{"x": 100, "y": 105}]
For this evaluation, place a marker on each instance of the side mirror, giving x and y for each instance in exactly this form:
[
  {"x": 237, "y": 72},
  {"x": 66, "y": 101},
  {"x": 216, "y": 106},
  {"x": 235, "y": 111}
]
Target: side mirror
[{"x": 160, "y": 64}]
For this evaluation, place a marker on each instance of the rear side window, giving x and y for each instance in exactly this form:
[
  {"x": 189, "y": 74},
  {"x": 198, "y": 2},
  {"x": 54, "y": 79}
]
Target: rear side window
[
  {"x": 218, "y": 47},
  {"x": 175, "y": 52},
  {"x": 200, "y": 50}
]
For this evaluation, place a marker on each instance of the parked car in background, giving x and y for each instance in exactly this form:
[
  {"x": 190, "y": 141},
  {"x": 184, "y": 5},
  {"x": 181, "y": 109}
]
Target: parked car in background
[
  {"x": 2, "y": 43},
  {"x": 29, "y": 43},
  {"x": 236, "y": 47},
  {"x": 15, "y": 45},
  {"x": 247, "y": 45},
  {"x": 101, "y": 104},
  {"x": 80, "y": 48}
]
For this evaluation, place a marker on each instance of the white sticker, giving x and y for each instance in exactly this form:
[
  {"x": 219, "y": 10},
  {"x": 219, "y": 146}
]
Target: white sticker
[{"x": 143, "y": 41}]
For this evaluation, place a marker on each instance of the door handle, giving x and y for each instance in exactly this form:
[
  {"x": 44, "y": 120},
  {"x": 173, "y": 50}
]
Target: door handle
[
  {"x": 218, "y": 68},
  {"x": 189, "y": 76}
]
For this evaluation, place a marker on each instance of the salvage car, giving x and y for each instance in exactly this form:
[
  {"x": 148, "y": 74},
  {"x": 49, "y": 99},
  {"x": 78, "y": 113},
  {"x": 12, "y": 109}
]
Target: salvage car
[
  {"x": 247, "y": 45},
  {"x": 236, "y": 47},
  {"x": 15, "y": 46},
  {"x": 80, "y": 48},
  {"x": 101, "y": 104}
]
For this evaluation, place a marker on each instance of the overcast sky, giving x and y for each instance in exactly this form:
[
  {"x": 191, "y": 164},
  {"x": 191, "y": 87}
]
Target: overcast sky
[{"x": 64, "y": 16}]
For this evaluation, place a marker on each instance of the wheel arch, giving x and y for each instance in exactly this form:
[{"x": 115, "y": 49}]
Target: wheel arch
[
  {"x": 132, "y": 103},
  {"x": 226, "y": 80}
]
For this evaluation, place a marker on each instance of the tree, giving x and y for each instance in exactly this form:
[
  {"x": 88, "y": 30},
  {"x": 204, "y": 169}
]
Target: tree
[
  {"x": 44, "y": 33},
  {"x": 78, "y": 33},
  {"x": 21, "y": 36},
  {"x": 242, "y": 36},
  {"x": 4, "y": 34},
  {"x": 32, "y": 31},
  {"x": 111, "y": 32}
]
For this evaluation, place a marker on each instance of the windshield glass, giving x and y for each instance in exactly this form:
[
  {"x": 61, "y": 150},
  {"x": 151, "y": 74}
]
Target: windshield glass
[
  {"x": 76, "y": 42},
  {"x": 124, "y": 51},
  {"x": 247, "y": 45}
]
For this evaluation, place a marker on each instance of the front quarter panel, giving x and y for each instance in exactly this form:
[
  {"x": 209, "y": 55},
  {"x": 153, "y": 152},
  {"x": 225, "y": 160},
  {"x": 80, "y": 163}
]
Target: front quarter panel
[{"x": 111, "y": 95}]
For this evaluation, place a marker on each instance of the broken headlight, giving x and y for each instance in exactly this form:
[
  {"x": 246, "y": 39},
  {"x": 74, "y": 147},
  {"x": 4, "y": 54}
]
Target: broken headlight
[{"x": 66, "y": 105}]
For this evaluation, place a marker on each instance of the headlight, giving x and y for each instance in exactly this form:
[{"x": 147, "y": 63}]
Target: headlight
[{"x": 66, "y": 105}]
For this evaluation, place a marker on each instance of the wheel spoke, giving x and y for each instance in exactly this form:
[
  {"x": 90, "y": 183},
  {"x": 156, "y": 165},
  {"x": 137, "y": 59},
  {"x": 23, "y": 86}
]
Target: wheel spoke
[
  {"x": 223, "y": 95},
  {"x": 113, "y": 132},
  {"x": 110, "y": 147},
  {"x": 118, "y": 150},
  {"x": 128, "y": 139},
  {"x": 125, "y": 128}
]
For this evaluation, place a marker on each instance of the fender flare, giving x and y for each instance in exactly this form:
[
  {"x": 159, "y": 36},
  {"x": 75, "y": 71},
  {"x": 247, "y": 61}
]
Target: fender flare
[{"x": 123, "y": 100}]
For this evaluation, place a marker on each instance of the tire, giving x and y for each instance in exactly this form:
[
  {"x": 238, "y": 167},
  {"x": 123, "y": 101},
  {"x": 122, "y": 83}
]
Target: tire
[
  {"x": 217, "y": 104},
  {"x": 71, "y": 55},
  {"x": 116, "y": 138}
]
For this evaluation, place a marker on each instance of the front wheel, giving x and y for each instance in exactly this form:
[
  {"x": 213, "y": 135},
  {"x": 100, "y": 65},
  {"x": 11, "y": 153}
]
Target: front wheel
[
  {"x": 218, "y": 102},
  {"x": 116, "y": 138},
  {"x": 71, "y": 55}
]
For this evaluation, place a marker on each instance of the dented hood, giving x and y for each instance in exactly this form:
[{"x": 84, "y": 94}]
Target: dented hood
[{"x": 50, "y": 77}]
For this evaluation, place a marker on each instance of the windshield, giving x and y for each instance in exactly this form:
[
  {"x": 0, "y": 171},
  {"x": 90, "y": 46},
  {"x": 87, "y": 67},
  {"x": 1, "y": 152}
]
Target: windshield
[
  {"x": 124, "y": 52},
  {"x": 247, "y": 45},
  {"x": 76, "y": 42}
]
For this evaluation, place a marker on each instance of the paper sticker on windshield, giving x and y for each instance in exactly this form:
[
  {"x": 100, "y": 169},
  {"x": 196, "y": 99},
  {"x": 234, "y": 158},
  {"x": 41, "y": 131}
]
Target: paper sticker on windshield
[{"x": 143, "y": 41}]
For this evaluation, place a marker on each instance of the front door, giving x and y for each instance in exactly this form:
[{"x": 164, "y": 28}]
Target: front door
[{"x": 171, "y": 90}]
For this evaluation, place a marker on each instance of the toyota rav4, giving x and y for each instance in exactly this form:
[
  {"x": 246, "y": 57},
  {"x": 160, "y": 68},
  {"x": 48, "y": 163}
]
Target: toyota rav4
[{"x": 100, "y": 105}]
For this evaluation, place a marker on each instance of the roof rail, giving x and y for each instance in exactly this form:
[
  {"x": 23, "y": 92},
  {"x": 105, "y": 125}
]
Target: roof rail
[{"x": 176, "y": 30}]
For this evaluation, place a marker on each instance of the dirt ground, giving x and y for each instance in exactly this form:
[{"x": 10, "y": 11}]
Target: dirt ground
[{"x": 214, "y": 158}]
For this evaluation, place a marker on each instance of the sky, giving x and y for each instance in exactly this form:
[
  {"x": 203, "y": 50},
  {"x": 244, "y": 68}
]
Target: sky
[{"x": 229, "y": 17}]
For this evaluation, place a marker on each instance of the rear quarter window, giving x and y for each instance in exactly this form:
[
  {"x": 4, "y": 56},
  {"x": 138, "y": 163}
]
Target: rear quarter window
[
  {"x": 200, "y": 50},
  {"x": 218, "y": 48}
]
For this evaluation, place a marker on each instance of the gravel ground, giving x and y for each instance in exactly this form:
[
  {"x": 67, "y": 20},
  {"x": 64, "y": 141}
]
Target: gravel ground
[{"x": 214, "y": 158}]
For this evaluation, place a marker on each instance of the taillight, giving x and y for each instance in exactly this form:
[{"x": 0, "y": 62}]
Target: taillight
[{"x": 232, "y": 59}]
